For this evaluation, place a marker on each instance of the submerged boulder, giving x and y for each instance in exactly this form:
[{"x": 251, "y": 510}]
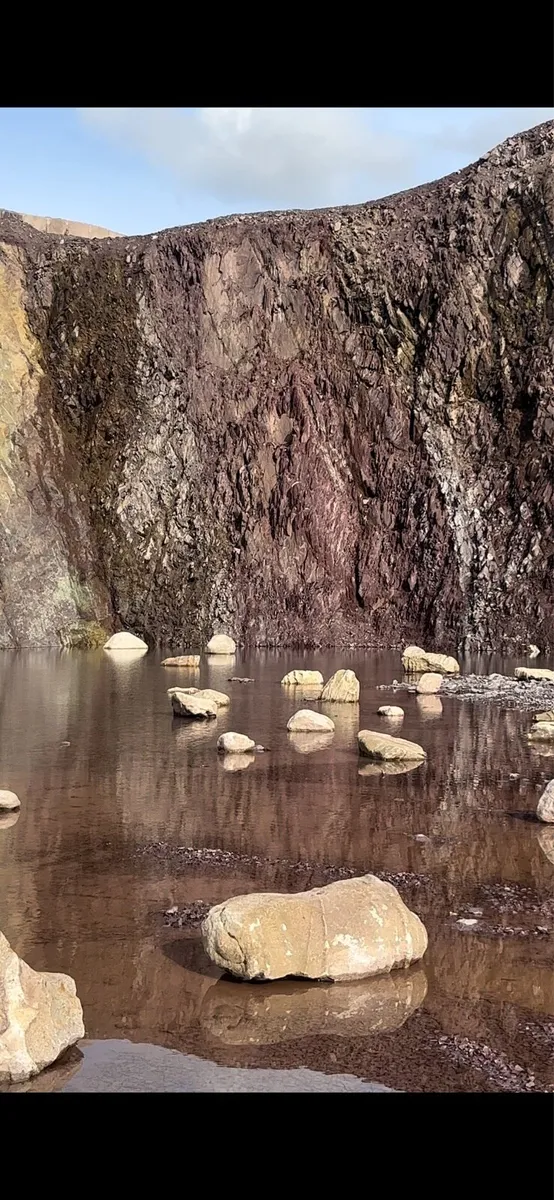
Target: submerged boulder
[
  {"x": 342, "y": 688},
  {"x": 388, "y": 748},
  {"x": 235, "y": 743},
  {"x": 347, "y": 930},
  {"x": 182, "y": 660},
  {"x": 537, "y": 673},
  {"x": 40, "y": 1016},
  {"x": 125, "y": 641},
  {"x": 194, "y": 707},
  {"x": 221, "y": 644},
  {"x": 545, "y": 807},
  {"x": 390, "y": 710},
  {"x": 9, "y": 801},
  {"x": 414, "y": 660},
  {"x": 300, "y": 676},
  {"x": 429, "y": 683},
  {"x": 308, "y": 721}
]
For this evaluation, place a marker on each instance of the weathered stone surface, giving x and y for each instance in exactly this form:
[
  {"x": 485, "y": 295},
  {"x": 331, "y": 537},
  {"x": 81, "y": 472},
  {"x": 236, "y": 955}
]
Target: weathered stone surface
[
  {"x": 125, "y": 641},
  {"x": 243, "y": 1015},
  {"x": 312, "y": 678},
  {"x": 414, "y": 660},
  {"x": 307, "y": 721},
  {"x": 542, "y": 731},
  {"x": 310, "y": 743},
  {"x": 182, "y": 660},
  {"x": 40, "y": 1016},
  {"x": 545, "y": 807},
  {"x": 235, "y": 743},
  {"x": 537, "y": 673},
  {"x": 323, "y": 427},
  {"x": 220, "y": 699},
  {"x": 342, "y": 688},
  {"x": 544, "y": 716},
  {"x": 9, "y": 801},
  {"x": 428, "y": 684},
  {"x": 390, "y": 710},
  {"x": 388, "y": 748},
  {"x": 198, "y": 709},
  {"x": 62, "y": 228},
  {"x": 221, "y": 644},
  {"x": 347, "y": 930},
  {"x": 429, "y": 707}
]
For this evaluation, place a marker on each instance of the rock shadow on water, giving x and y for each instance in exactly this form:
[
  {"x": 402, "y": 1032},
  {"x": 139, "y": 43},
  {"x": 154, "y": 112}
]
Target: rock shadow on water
[
  {"x": 309, "y": 743},
  {"x": 247, "y": 1014},
  {"x": 389, "y": 768}
]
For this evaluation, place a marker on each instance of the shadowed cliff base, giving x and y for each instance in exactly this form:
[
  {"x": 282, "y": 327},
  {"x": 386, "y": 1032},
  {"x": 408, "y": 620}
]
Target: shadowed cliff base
[{"x": 323, "y": 427}]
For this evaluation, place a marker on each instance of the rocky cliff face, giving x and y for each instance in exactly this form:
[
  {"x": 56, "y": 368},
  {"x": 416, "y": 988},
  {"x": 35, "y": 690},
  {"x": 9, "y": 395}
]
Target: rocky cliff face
[{"x": 323, "y": 427}]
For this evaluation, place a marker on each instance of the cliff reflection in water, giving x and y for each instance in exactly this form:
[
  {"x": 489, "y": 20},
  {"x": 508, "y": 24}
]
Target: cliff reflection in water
[{"x": 75, "y": 897}]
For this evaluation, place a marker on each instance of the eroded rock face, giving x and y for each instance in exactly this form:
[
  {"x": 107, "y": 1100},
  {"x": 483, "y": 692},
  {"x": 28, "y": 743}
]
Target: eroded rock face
[
  {"x": 40, "y": 1016},
  {"x": 311, "y": 428},
  {"x": 414, "y": 660},
  {"x": 342, "y": 688},
  {"x": 307, "y": 721},
  {"x": 545, "y": 807},
  {"x": 347, "y": 930},
  {"x": 388, "y": 748}
]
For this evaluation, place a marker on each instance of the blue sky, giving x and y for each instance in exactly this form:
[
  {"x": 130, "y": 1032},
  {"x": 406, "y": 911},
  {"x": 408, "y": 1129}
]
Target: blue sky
[{"x": 138, "y": 170}]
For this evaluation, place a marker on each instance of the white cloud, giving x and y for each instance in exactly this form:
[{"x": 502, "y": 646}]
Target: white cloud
[{"x": 306, "y": 157}]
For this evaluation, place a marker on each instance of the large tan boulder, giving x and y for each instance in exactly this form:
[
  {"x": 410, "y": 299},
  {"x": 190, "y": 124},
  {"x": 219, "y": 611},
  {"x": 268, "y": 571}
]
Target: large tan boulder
[
  {"x": 192, "y": 707},
  {"x": 414, "y": 660},
  {"x": 537, "y": 673},
  {"x": 40, "y": 1016},
  {"x": 9, "y": 801},
  {"x": 388, "y": 748},
  {"x": 545, "y": 807},
  {"x": 308, "y": 721},
  {"x": 182, "y": 660},
  {"x": 541, "y": 731},
  {"x": 249, "y": 1015},
  {"x": 393, "y": 711},
  {"x": 221, "y": 644},
  {"x": 235, "y": 743},
  {"x": 429, "y": 683},
  {"x": 347, "y": 930},
  {"x": 544, "y": 716},
  {"x": 342, "y": 688},
  {"x": 125, "y": 641},
  {"x": 293, "y": 678}
]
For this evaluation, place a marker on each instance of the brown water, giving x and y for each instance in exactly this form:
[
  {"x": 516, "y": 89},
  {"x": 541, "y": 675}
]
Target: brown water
[{"x": 84, "y": 882}]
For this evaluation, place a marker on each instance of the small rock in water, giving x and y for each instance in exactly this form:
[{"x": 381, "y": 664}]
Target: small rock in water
[
  {"x": 65, "y": 743},
  {"x": 467, "y": 922},
  {"x": 170, "y": 912},
  {"x": 9, "y": 801},
  {"x": 193, "y": 708},
  {"x": 384, "y": 746},
  {"x": 414, "y": 660},
  {"x": 429, "y": 683},
  {"x": 390, "y": 710},
  {"x": 235, "y": 743},
  {"x": 262, "y": 749},
  {"x": 343, "y": 687},
  {"x": 125, "y": 641},
  {"x": 182, "y": 660},
  {"x": 239, "y": 679},
  {"x": 307, "y": 721},
  {"x": 421, "y": 837},
  {"x": 221, "y": 644},
  {"x": 513, "y": 775},
  {"x": 293, "y": 678}
]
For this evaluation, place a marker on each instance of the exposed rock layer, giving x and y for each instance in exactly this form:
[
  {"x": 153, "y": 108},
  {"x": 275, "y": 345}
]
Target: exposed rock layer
[{"x": 315, "y": 427}]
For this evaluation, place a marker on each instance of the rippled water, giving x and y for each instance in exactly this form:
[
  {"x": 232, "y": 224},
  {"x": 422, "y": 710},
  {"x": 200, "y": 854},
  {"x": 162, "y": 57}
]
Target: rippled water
[{"x": 105, "y": 774}]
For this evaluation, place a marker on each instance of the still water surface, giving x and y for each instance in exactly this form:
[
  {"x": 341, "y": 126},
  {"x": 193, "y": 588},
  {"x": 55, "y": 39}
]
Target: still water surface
[{"x": 106, "y": 774}]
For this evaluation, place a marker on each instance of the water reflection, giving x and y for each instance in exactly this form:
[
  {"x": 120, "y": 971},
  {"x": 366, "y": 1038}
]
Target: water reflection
[
  {"x": 388, "y": 768},
  {"x": 238, "y": 1014},
  {"x": 429, "y": 707},
  {"x": 308, "y": 743},
  {"x": 7, "y": 819},
  {"x": 545, "y": 838},
  {"x": 237, "y": 762}
]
